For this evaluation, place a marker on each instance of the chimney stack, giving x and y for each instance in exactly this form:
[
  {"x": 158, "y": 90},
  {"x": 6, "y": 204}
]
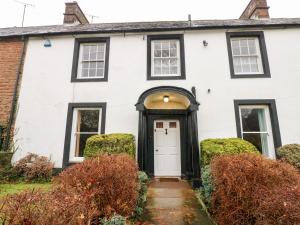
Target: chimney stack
[
  {"x": 73, "y": 14},
  {"x": 256, "y": 9}
]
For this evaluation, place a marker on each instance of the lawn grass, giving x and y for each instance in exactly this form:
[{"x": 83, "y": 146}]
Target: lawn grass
[{"x": 6, "y": 189}]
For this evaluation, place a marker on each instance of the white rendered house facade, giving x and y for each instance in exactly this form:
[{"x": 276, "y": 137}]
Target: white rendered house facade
[
  {"x": 171, "y": 84},
  {"x": 47, "y": 89}
]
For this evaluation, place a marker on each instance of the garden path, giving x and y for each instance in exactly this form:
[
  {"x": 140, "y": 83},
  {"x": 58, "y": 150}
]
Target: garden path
[{"x": 173, "y": 202}]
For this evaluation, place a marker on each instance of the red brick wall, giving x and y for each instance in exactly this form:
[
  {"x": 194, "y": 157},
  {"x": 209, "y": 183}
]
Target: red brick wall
[
  {"x": 10, "y": 59},
  {"x": 256, "y": 8}
]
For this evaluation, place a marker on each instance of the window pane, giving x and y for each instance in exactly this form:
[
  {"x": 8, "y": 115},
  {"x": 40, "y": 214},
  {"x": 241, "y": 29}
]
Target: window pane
[
  {"x": 84, "y": 72},
  {"x": 100, "y": 65},
  {"x": 173, "y": 44},
  {"x": 174, "y": 70},
  {"x": 260, "y": 141},
  {"x": 165, "y": 53},
  {"x": 157, "y": 53},
  {"x": 100, "y": 73},
  {"x": 92, "y": 65},
  {"x": 100, "y": 55},
  {"x": 173, "y": 52},
  {"x": 255, "y": 139},
  {"x": 172, "y": 125},
  {"x": 80, "y": 143},
  {"x": 252, "y": 47},
  {"x": 86, "y": 52},
  {"x": 165, "y": 66},
  {"x": 92, "y": 72},
  {"x": 173, "y": 62},
  {"x": 159, "y": 125},
  {"x": 165, "y": 45},
  {"x": 88, "y": 120},
  {"x": 253, "y": 120},
  {"x": 157, "y": 45},
  {"x": 254, "y": 68},
  {"x": 157, "y": 70},
  {"x": 246, "y": 68},
  {"x": 236, "y": 50},
  {"x": 237, "y": 65},
  {"x": 157, "y": 66}
]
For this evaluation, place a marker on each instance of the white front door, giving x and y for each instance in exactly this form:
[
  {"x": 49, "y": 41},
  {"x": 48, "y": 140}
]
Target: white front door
[{"x": 167, "y": 160}]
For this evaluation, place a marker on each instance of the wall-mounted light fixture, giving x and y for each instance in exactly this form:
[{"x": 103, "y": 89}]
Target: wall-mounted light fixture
[
  {"x": 205, "y": 43},
  {"x": 166, "y": 99},
  {"x": 47, "y": 43}
]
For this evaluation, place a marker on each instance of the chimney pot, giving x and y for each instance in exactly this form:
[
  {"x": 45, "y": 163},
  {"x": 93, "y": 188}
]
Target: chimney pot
[
  {"x": 256, "y": 9},
  {"x": 73, "y": 14}
]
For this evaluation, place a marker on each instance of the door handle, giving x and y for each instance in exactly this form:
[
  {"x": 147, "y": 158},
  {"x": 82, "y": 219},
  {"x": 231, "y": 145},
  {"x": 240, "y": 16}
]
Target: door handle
[
  {"x": 156, "y": 150},
  {"x": 166, "y": 131}
]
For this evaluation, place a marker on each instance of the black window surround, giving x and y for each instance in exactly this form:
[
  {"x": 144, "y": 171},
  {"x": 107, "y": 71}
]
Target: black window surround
[
  {"x": 151, "y": 38},
  {"x": 69, "y": 125},
  {"x": 271, "y": 103},
  {"x": 79, "y": 41},
  {"x": 263, "y": 52}
]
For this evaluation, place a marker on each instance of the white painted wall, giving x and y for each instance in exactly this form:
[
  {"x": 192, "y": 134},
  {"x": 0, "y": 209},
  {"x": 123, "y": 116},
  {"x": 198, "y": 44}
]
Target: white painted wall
[{"x": 46, "y": 89}]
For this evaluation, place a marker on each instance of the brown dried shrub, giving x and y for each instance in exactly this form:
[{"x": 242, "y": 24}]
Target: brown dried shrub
[
  {"x": 109, "y": 181},
  {"x": 37, "y": 207},
  {"x": 98, "y": 187},
  {"x": 34, "y": 168},
  {"x": 252, "y": 190}
]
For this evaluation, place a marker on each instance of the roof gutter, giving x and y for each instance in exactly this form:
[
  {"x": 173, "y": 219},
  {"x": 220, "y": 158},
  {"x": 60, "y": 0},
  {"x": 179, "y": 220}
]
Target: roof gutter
[{"x": 15, "y": 98}]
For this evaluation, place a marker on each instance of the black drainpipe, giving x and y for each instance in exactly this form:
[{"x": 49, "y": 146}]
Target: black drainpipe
[{"x": 14, "y": 101}]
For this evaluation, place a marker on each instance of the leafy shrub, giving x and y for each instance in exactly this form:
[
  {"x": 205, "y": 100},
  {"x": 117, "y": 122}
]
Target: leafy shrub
[
  {"x": 290, "y": 153},
  {"x": 249, "y": 189},
  {"x": 142, "y": 198},
  {"x": 34, "y": 168},
  {"x": 115, "y": 220},
  {"x": 8, "y": 174},
  {"x": 214, "y": 147},
  {"x": 108, "y": 181},
  {"x": 207, "y": 185},
  {"x": 110, "y": 143}
]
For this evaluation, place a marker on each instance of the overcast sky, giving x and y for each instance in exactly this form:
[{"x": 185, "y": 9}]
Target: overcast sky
[{"x": 49, "y": 12}]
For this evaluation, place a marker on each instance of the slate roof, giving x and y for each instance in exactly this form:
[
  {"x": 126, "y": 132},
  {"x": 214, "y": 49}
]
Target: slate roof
[{"x": 146, "y": 27}]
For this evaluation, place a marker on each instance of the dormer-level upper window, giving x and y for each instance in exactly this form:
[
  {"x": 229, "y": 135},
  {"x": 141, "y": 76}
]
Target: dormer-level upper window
[
  {"x": 166, "y": 57},
  {"x": 247, "y": 55},
  {"x": 90, "y": 62}
]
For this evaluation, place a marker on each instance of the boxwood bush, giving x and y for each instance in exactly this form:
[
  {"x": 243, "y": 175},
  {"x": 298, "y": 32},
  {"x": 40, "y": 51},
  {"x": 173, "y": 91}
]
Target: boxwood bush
[
  {"x": 214, "y": 147},
  {"x": 111, "y": 144},
  {"x": 290, "y": 153}
]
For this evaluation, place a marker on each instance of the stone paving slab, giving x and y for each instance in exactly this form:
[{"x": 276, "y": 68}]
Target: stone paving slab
[{"x": 174, "y": 203}]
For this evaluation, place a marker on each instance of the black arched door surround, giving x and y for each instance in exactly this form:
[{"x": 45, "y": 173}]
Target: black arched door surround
[{"x": 190, "y": 159}]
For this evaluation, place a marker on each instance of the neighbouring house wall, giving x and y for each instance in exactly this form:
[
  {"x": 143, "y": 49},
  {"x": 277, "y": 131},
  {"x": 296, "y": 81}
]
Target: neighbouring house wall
[
  {"x": 10, "y": 59},
  {"x": 47, "y": 89}
]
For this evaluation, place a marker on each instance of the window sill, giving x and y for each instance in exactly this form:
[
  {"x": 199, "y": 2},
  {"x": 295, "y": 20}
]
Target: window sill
[
  {"x": 166, "y": 77},
  {"x": 90, "y": 80},
  {"x": 76, "y": 160},
  {"x": 233, "y": 76}
]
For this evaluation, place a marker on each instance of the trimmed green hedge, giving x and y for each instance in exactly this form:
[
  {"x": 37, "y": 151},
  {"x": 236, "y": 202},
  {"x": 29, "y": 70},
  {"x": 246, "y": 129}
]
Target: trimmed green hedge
[
  {"x": 110, "y": 143},
  {"x": 214, "y": 147},
  {"x": 290, "y": 153}
]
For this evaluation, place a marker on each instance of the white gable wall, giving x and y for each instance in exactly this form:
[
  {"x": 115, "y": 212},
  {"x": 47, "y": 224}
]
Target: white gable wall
[{"x": 46, "y": 87}]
